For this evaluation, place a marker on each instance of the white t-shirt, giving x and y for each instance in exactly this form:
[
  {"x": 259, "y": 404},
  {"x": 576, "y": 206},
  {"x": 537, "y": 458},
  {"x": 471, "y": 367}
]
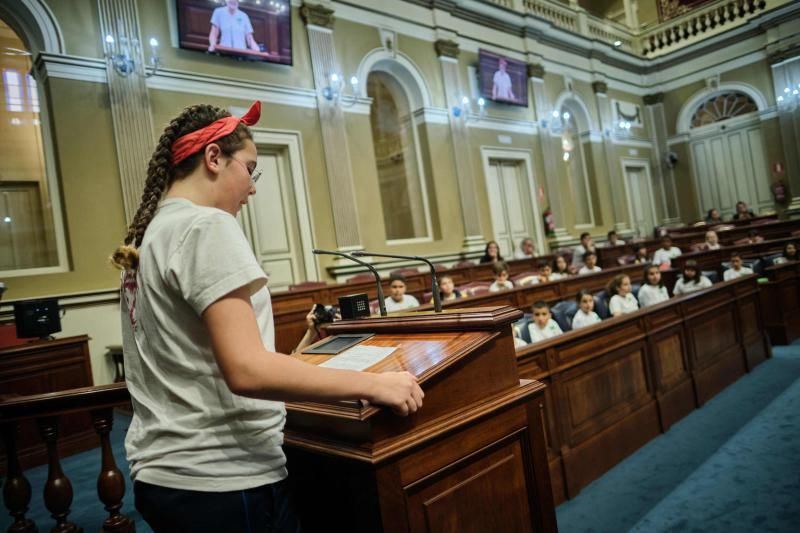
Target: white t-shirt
[
  {"x": 577, "y": 255},
  {"x": 519, "y": 254},
  {"x": 189, "y": 431},
  {"x": 551, "y": 329},
  {"x": 686, "y": 288},
  {"x": 233, "y": 29},
  {"x": 666, "y": 256},
  {"x": 733, "y": 274},
  {"x": 407, "y": 303},
  {"x": 652, "y": 295},
  {"x": 502, "y": 85},
  {"x": 713, "y": 246},
  {"x": 581, "y": 319},
  {"x": 625, "y": 304},
  {"x": 495, "y": 286},
  {"x": 586, "y": 270},
  {"x": 557, "y": 275}
]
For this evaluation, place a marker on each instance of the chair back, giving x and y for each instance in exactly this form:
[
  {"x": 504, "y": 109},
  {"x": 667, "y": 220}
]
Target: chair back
[
  {"x": 559, "y": 312},
  {"x": 601, "y": 304},
  {"x": 361, "y": 278}
]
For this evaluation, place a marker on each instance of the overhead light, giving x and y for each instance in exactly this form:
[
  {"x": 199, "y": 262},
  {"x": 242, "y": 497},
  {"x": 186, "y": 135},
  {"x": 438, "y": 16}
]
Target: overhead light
[{"x": 617, "y": 43}]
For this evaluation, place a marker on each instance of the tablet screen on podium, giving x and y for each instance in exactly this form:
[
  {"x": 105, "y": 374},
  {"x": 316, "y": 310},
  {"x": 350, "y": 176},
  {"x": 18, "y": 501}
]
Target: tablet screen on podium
[{"x": 337, "y": 344}]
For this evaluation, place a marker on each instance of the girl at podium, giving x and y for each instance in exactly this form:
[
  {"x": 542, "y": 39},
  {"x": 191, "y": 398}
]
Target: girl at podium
[{"x": 206, "y": 384}]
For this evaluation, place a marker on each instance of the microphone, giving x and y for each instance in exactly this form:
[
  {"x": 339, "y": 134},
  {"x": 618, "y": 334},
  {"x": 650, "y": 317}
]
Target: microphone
[
  {"x": 381, "y": 303},
  {"x": 437, "y": 298}
]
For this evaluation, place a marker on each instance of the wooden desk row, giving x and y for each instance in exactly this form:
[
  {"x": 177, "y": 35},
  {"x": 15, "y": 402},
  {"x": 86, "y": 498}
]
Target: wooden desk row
[
  {"x": 756, "y": 221},
  {"x": 711, "y": 259},
  {"x": 780, "y": 302},
  {"x": 614, "y": 386},
  {"x": 290, "y": 321},
  {"x": 769, "y": 231}
]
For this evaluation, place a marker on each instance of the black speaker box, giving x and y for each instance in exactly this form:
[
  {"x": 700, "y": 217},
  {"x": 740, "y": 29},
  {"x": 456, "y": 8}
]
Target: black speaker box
[{"x": 37, "y": 318}]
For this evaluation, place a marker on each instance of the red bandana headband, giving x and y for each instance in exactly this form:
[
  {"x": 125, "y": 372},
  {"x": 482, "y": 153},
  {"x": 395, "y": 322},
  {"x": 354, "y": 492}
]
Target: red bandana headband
[{"x": 190, "y": 143}]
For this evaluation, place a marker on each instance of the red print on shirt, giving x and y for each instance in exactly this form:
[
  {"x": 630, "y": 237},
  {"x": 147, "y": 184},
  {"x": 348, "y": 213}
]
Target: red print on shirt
[{"x": 129, "y": 287}]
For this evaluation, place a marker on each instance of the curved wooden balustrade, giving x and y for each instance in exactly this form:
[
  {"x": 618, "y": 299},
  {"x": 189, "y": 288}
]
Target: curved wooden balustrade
[{"x": 46, "y": 410}]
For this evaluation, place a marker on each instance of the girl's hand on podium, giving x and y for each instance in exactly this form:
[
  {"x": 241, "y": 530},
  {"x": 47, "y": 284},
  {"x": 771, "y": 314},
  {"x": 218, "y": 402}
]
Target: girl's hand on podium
[{"x": 399, "y": 391}]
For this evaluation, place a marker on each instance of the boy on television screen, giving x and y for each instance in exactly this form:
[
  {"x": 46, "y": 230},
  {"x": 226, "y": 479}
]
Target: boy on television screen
[
  {"x": 501, "y": 86},
  {"x": 231, "y": 27}
]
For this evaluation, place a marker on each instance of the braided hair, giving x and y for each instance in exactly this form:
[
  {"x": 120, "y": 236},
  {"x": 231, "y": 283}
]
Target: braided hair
[{"x": 161, "y": 173}]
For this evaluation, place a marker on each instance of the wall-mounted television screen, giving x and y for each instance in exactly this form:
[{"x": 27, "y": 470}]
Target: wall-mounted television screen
[
  {"x": 502, "y": 79},
  {"x": 259, "y": 30}
]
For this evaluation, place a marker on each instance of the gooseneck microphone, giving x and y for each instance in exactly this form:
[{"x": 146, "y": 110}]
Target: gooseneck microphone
[
  {"x": 437, "y": 298},
  {"x": 381, "y": 303}
]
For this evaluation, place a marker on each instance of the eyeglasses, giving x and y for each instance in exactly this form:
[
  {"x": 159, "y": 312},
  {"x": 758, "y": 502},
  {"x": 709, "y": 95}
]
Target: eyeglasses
[{"x": 254, "y": 175}]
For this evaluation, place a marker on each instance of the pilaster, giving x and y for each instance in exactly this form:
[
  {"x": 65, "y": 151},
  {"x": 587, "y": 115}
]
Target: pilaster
[
  {"x": 319, "y": 25},
  {"x": 615, "y": 178},
  {"x": 665, "y": 177}
]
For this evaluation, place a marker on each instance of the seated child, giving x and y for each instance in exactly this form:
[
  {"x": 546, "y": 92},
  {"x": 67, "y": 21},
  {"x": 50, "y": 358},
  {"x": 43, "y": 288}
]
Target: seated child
[
  {"x": 641, "y": 255},
  {"x": 666, "y": 253},
  {"x": 613, "y": 239},
  {"x": 789, "y": 254},
  {"x": 653, "y": 291},
  {"x": 447, "y": 289},
  {"x": 501, "y": 281},
  {"x": 545, "y": 272},
  {"x": 560, "y": 268},
  {"x": 712, "y": 241},
  {"x": 589, "y": 263},
  {"x": 753, "y": 237},
  {"x": 543, "y": 326},
  {"x": 398, "y": 299},
  {"x": 585, "y": 316},
  {"x": 736, "y": 270},
  {"x": 622, "y": 299},
  {"x": 692, "y": 280}
]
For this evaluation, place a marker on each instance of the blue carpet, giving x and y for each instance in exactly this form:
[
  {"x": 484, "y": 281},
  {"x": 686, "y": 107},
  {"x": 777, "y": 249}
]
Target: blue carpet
[
  {"x": 736, "y": 455},
  {"x": 729, "y": 466}
]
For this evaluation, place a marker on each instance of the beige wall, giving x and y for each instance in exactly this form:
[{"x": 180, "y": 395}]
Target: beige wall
[{"x": 90, "y": 186}]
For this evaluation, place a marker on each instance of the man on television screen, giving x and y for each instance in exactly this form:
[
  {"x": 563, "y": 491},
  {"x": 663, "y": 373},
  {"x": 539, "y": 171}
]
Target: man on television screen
[
  {"x": 231, "y": 28},
  {"x": 501, "y": 86}
]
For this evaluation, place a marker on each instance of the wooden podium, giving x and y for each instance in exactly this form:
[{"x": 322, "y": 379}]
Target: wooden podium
[{"x": 472, "y": 459}]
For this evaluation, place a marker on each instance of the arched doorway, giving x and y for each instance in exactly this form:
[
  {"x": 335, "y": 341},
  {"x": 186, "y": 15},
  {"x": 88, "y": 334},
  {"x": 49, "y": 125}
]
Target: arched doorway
[{"x": 727, "y": 151}]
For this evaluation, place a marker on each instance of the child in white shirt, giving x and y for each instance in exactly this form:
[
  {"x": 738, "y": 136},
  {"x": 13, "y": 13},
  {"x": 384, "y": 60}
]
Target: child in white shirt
[
  {"x": 653, "y": 291},
  {"x": 712, "y": 241},
  {"x": 560, "y": 268},
  {"x": 666, "y": 253},
  {"x": 501, "y": 281},
  {"x": 398, "y": 299},
  {"x": 692, "y": 280},
  {"x": 543, "y": 326},
  {"x": 585, "y": 316},
  {"x": 590, "y": 263},
  {"x": 736, "y": 270},
  {"x": 622, "y": 299},
  {"x": 579, "y": 251}
]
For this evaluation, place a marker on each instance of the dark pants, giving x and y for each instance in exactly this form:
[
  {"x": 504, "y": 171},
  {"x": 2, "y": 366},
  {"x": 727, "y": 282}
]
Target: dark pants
[{"x": 264, "y": 509}]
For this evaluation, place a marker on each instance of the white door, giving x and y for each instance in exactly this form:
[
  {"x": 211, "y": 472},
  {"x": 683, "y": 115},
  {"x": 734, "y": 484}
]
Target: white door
[
  {"x": 640, "y": 199},
  {"x": 510, "y": 204},
  {"x": 729, "y": 167},
  {"x": 271, "y": 223}
]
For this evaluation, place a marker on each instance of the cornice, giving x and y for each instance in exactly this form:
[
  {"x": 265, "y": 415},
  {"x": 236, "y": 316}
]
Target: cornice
[{"x": 317, "y": 15}]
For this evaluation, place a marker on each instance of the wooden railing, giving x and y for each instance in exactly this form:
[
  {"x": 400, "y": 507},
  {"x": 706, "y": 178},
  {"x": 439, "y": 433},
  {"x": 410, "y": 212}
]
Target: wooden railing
[
  {"x": 697, "y": 24},
  {"x": 45, "y": 410}
]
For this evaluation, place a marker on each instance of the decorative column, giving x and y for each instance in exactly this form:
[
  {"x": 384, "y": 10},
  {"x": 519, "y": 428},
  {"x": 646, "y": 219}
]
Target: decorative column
[
  {"x": 631, "y": 14},
  {"x": 130, "y": 103},
  {"x": 620, "y": 211},
  {"x": 319, "y": 26},
  {"x": 657, "y": 130},
  {"x": 541, "y": 111},
  {"x": 448, "y": 51},
  {"x": 786, "y": 73}
]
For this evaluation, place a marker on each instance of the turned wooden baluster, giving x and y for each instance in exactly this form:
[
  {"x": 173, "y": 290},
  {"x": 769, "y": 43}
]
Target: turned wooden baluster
[
  {"x": 58, "y": 489},
  {"x": 110, "y": 482},
  {"x": 17, "y": 490}
]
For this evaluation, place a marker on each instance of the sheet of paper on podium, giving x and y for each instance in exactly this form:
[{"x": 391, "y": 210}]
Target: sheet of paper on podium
[{"x": 359, "y": 357}]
